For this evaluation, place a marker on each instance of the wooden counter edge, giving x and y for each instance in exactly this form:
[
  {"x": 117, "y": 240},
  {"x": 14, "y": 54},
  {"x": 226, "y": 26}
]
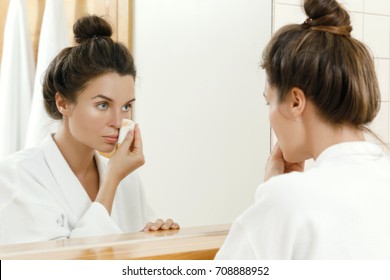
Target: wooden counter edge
[{"x": 187, "y": 243}]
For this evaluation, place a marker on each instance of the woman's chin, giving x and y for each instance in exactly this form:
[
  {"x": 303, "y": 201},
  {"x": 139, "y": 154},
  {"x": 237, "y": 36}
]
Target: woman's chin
[{"x": 106, "y": 149}]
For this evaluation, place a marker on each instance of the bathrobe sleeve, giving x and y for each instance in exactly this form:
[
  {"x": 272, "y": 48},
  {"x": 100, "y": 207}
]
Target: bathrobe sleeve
[
  {"x": 96, "y": 221},
  {"x": 23, "y": 221}
]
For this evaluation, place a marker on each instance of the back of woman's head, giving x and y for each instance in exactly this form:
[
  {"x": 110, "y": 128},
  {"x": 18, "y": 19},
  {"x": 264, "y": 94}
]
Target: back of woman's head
[
  {"x": 94, "y": 54},
  {"x": 335, "y": 71}
]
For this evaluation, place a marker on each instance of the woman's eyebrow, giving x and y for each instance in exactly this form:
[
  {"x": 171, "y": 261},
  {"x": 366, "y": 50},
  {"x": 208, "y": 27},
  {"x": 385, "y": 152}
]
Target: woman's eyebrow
[
  {"x": 110, "y": 99},
  {"x": 102, "y": 96}
]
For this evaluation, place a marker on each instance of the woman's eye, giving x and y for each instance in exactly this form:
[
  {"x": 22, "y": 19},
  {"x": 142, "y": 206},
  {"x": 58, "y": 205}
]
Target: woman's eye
[
  {"x": 102, "y": 106},
  {"x": 126, "y": 108}
]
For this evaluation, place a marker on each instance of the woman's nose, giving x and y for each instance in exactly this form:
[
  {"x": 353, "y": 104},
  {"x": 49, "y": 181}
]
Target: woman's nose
[{"x": 116, "y": 119}]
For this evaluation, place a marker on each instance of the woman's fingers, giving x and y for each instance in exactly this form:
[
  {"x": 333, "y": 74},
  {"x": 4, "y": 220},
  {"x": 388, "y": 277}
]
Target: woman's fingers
[
  {"x": 175, "y": 226},
  {"x": 137, "y": 145},
  {"x": 148, "y": 226},
  {"x": 157, "y": 225},
  {"x": 161, "y": 225},
  {"x": 167, "y": 225}
]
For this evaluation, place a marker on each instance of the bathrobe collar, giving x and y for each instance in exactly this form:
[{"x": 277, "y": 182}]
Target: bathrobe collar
[
  {"x": 76, "y": 197},
  {"x": 353, "y": 150}
]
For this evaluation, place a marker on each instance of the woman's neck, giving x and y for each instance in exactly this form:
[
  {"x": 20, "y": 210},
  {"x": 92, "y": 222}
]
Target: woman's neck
[
  {"x": 321, "y": 134},
  {"x": 326, "y": 135},
  {"x": 79, "y": 157}
]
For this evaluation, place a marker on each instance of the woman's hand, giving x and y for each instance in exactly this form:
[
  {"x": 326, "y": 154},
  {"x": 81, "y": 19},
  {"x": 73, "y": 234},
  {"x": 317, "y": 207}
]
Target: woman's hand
[
  {"x": 276, "y": 164},
  {"x": 161, "y": 225},
  {"x": 128, "y": 157}
]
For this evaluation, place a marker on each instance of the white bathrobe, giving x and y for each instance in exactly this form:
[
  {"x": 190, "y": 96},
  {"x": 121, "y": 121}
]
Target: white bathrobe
[
  {"x": 42, "y": 199},
  {"x": 339, "y": 209}
]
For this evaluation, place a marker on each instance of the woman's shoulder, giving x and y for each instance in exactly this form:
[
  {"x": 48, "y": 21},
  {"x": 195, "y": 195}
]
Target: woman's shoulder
[
  {"x": 12, "y": 168},
  {"x": 281, "y": 199},
  {"x": 23, "y": 163},
  {"x": 19, "y": 158},
  {"x": 293, "y": 181},
  {"x": 291, "y": 191}
]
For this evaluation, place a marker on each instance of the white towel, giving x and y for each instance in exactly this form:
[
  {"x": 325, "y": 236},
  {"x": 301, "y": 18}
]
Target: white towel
[
  {"x": 17, "y": 78},
  {"x": 53, "y": 38}
]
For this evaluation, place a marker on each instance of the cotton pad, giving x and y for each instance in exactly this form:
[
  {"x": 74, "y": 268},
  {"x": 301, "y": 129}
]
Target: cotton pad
[{"x": 127, "y": 125}]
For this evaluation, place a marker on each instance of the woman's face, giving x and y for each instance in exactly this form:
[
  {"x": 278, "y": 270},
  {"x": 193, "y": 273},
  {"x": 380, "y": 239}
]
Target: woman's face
[
  {"x": 288, "y": 129},
  {"x": 97, "y": 114}
]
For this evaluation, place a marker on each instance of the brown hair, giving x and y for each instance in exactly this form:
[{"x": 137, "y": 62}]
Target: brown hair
[
  {"x": 335, "y": 71},
  {"x": 94, "y": 54}
]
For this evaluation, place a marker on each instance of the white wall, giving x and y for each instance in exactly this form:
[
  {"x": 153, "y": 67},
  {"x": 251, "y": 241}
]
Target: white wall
[{"x": 200, "y": 106}]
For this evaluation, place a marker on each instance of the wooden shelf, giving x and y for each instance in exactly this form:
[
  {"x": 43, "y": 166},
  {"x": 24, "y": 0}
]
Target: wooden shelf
[{"x": 196, "y": 243}]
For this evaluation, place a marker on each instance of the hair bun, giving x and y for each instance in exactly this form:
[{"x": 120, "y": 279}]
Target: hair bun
[
  {"x": 328, "y": 13},
  {"x": 89, "y": 27}
]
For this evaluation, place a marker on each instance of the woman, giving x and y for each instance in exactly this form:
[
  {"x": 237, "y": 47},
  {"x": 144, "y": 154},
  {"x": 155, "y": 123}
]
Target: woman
[
  {"x": 322, "y": 91},
  {"x": 64, "y": 188}
]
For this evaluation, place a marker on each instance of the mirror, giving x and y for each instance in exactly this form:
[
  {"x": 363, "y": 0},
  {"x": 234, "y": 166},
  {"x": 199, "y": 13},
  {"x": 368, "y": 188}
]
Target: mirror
[{"x": 199, "y": 98}]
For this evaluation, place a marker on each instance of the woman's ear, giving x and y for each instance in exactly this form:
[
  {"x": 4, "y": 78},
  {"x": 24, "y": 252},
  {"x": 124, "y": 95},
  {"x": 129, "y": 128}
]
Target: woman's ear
[
  {"x": 63, "y": 105},
  {"x": 295, "y": 102}
]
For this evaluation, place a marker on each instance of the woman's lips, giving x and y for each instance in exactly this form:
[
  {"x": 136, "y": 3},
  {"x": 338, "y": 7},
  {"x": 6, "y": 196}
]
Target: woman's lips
[{"x": 111, "y": 139}]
